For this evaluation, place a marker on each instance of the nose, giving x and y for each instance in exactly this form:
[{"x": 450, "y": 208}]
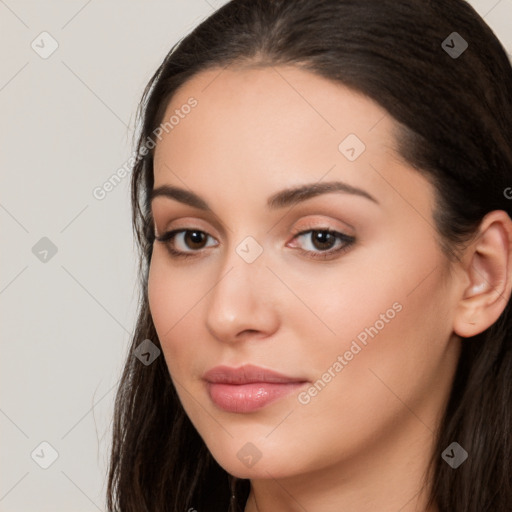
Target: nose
[{"x": 244, "y": 300}]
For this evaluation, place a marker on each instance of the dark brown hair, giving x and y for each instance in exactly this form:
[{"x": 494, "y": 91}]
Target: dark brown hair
[{"x": 455, "y": 119}]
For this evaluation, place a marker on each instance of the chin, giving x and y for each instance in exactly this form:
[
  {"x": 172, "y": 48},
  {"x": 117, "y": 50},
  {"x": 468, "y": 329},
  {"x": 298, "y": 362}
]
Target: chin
[{"x": 273, "y": 465}]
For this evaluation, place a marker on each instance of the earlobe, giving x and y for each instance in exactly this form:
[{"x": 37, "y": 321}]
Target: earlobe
[{"x": 488, "y": 269}]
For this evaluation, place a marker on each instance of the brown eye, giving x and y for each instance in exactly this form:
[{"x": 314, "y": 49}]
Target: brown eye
[
  {"x": 189, "y": 241},
  {"x": 194, "y": 239},
  {"x": 322, "y": 242}
]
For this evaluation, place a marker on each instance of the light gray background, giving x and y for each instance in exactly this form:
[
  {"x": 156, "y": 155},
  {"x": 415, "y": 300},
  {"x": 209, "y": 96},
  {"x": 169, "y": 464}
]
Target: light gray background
[{"x": 66, "y": 124}]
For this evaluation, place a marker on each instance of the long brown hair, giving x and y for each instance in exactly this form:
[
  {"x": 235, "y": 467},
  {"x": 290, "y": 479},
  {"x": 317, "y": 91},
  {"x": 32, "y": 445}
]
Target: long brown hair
[{"x": 456, "y": 117}]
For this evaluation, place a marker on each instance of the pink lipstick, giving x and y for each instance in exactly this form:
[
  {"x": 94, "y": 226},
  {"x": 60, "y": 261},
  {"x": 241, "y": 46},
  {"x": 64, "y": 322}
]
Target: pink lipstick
[{"x": 248, "y": 388}]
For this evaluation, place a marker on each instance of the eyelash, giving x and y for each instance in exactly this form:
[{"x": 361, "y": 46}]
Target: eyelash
[{"x": 322, "y": 255}]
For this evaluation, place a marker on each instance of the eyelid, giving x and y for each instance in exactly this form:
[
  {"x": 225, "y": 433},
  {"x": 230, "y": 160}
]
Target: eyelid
[
  {"x": 322, "y": 224},
  {"x": 185, "y": 224},
  {"x": 170, "y": 220}
]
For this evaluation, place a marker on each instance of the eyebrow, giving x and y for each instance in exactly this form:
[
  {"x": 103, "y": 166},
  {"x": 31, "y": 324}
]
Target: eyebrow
[{"x": 281, "y": 199}]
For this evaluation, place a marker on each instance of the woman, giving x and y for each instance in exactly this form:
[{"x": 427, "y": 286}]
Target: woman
[{"x": 321, "y": 199}]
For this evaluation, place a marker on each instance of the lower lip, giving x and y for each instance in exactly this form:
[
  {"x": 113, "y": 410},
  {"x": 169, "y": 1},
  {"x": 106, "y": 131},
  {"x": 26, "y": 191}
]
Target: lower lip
[{"x": 249, "y": 397}]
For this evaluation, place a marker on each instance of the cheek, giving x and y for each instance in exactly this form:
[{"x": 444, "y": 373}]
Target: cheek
[
  {"x": 381, "y": 310},
  {"x": 173, "y": 292},
  {"x": 160, "y": 296},
  {"x": 345, "y": 303},
  {"x": 393, "y": 371},
  {"x": 171, "y": 302},
  {"x": 391, "y": 334}
]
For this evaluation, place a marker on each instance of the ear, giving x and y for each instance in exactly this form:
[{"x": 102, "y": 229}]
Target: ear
[{"x": 488, "y": 272}]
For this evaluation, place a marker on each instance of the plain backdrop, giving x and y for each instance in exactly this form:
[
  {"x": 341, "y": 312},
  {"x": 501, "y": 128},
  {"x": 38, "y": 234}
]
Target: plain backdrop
[{"x": 67, "y": 282}]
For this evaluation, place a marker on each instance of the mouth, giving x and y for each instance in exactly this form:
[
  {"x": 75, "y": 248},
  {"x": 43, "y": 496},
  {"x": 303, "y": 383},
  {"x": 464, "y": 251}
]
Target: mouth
[{"x": 248, "y": 388}]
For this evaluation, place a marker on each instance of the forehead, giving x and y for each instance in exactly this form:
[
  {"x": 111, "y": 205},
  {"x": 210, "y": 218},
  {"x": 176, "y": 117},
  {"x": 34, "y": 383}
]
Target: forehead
[
  {"x": 273, "y": 127},
  {"x": 274, "y": 106}
]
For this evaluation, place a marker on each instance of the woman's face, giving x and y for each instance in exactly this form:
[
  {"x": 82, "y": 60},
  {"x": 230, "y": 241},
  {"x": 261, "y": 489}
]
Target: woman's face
[{"x": 362, "y": 324}]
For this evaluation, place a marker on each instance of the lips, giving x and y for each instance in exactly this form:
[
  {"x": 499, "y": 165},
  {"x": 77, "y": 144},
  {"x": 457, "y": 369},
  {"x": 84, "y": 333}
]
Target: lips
[
  {"x": 247, "y": 374},
  {"x": 248, "y": 388}
]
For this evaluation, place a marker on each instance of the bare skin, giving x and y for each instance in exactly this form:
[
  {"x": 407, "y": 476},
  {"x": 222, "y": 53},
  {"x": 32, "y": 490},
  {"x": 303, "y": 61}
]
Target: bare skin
[{"x": 362, "y": 442}]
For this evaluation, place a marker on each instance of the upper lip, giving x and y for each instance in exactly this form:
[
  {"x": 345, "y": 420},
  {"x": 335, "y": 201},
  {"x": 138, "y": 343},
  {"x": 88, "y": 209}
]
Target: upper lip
[{"x": 246, "y": 374}]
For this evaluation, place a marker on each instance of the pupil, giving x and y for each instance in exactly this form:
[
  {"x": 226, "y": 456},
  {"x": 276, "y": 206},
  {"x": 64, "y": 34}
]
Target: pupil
[
  {"x": 321, "y": 237},
  {"x": 196, "y": 236}
]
